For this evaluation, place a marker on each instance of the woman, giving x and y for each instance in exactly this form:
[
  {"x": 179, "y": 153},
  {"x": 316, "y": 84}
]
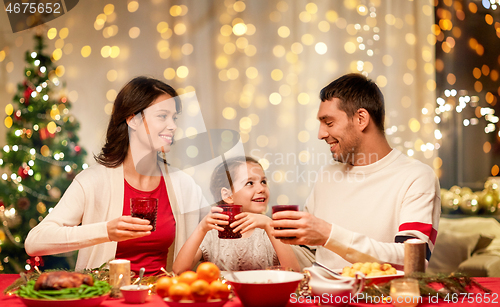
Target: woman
[{"x": 93, "y": 214}]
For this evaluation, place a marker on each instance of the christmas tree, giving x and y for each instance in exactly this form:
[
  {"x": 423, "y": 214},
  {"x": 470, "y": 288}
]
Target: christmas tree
[{"x": 40, "y": 159}]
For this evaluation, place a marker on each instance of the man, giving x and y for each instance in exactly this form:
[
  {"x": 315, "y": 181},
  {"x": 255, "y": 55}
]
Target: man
[{"x": 374, "y": 198}]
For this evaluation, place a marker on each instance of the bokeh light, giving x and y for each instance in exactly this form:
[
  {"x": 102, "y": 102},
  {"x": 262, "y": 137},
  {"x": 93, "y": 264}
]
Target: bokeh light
[
  {"x": 134, "y": 32},
  {"x": 133, "y": 6}
]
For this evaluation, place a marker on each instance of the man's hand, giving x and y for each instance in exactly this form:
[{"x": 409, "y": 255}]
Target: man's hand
[
  {"x": 306, "y": 228},
  {"x": 126, "y": 227},
  {"x": 246, "y": 221}
]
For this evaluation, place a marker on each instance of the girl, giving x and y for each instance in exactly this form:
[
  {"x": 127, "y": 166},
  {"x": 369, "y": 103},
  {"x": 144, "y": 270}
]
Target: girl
[
  {"x": 257, "y": 249},
  {"x": 93, "y": 216}
]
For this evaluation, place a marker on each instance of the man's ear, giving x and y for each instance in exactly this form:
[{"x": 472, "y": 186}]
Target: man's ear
[
  {"x": 362, "y": 119},
  {"x": 227, "y": 196},
  {"x": 132, "y": 122}
]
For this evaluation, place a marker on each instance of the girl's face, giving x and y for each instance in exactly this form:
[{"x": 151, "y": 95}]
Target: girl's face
[
  {"x": 159, "y": 123},
  {"x": 251, "y": 189}
]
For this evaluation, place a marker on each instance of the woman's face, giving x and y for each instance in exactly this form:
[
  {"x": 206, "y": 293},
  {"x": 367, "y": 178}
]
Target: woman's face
[{"x": 159, "y": 123}]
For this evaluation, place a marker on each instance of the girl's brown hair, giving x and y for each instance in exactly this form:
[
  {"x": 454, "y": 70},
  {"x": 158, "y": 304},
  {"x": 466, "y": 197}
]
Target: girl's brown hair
[
  {"x": 221, "y": 177},
  {"x": 132, "y": 99}
]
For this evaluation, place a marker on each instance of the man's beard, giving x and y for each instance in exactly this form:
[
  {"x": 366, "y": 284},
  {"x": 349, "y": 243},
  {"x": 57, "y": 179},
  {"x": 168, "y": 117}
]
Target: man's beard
[{"x": 348, "y": 154}]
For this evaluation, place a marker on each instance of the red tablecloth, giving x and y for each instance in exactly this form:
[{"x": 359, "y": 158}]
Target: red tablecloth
[{"x": 154, "y": 300}]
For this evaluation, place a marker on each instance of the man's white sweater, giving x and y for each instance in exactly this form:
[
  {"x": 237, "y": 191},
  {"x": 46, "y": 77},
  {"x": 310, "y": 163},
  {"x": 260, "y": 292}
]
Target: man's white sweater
[{"x": 374, "y": 208}]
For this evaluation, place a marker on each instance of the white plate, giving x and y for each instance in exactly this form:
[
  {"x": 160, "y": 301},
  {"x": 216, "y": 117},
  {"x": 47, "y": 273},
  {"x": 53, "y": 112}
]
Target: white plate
[{"x": 87, "y": 302}]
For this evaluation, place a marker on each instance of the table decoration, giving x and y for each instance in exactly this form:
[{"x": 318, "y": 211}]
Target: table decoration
[
  {"x": 440, "y": 286},
  {"x": 119, "y": 275},
  {"x": 135, "y": 294},
  {"x": 405, "y": 292},
  {"x": 414, "y": 260}
]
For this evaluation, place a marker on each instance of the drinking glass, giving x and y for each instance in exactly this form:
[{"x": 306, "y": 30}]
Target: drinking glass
[
  {"x": 231, "y": 211},
  {"x": 279, "y": 208},
  {"x": 145, "y": 208}
]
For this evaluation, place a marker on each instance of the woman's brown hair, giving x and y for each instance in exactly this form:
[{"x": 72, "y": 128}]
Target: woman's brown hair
[{"x": 132, "y": 99}]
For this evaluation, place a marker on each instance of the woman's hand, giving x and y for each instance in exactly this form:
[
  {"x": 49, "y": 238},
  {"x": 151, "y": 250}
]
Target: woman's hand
[
  {"x": 214, "y": 219},
  {"x": 126, "y": 227},
  {"x": 247, "y": 221}
]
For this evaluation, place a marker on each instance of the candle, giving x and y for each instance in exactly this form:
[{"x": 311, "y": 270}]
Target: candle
[
  {"x": 405, "y": 292},
  {"x": 119, "y": 275},
  {"x": 414, "y": 260}
]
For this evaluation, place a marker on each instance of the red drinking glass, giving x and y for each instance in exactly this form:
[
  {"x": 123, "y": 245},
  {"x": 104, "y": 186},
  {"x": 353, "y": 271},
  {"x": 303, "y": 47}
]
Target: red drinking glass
[
  {"x": 279, "y": 208},
  {"x": 145, "y": 208},
  {"x": 231, "y": 211}
]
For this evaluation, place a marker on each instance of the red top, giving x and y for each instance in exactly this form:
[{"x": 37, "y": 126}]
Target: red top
[{"x": 149, "y": 252}]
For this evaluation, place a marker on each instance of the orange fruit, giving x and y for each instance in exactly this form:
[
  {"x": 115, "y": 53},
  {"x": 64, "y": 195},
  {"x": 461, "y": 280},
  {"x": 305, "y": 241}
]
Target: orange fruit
[
  {"x": 218, "y": 289},
  {"x": 188, "y": 277},
  {"x": 179, "y": 291},
  {"x": 162, "y": 285},
  {"x": 208, "y": 271},
  {"x": 200, "y": 290},
  {"x": 175, "y": 280}
]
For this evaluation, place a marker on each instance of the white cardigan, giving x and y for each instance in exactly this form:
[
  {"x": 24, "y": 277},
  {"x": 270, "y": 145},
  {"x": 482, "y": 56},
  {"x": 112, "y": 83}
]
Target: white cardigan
[{"x": 96, "y": 196}]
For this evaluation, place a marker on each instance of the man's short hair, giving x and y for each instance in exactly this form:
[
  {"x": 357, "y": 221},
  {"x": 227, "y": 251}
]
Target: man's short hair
[{"x": 356, "y": 91}]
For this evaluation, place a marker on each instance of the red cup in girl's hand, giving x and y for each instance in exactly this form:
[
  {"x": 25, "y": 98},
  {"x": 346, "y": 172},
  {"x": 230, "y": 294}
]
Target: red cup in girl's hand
[
  {"x": 145, "y": 208},
  {"x": 231, "y": 211},
  {"x": 279, "y": 208}
]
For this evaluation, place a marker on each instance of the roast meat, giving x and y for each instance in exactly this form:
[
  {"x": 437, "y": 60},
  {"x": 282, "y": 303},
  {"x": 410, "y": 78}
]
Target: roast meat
[{"x": 61, "y": 280}]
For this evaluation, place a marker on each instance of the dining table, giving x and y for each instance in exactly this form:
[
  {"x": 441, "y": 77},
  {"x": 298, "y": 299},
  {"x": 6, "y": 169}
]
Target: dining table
[{"x": 474, "y": 298}]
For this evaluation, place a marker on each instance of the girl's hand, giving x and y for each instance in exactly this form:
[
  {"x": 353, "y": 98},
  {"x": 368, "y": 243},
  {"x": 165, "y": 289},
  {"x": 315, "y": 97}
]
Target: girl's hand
[
  {"x": 214, "y": 219},
  {"x": 126, "y": 227},
  {"x": 247, "y": 221}
]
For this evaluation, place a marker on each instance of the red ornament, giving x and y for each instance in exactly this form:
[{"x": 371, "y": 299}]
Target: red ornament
[
  {"x": 77, "y": 148},
  {"x": 35, "y": 261},
  {"x": 23, "y": 203},
  {"x": 64, "y": 99},
  {"x": 17, "y": 115},
  {"x": 22, "y": 172},
  {"x": 44, "y": 134},
  {"x": 27, "y": 95}
]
